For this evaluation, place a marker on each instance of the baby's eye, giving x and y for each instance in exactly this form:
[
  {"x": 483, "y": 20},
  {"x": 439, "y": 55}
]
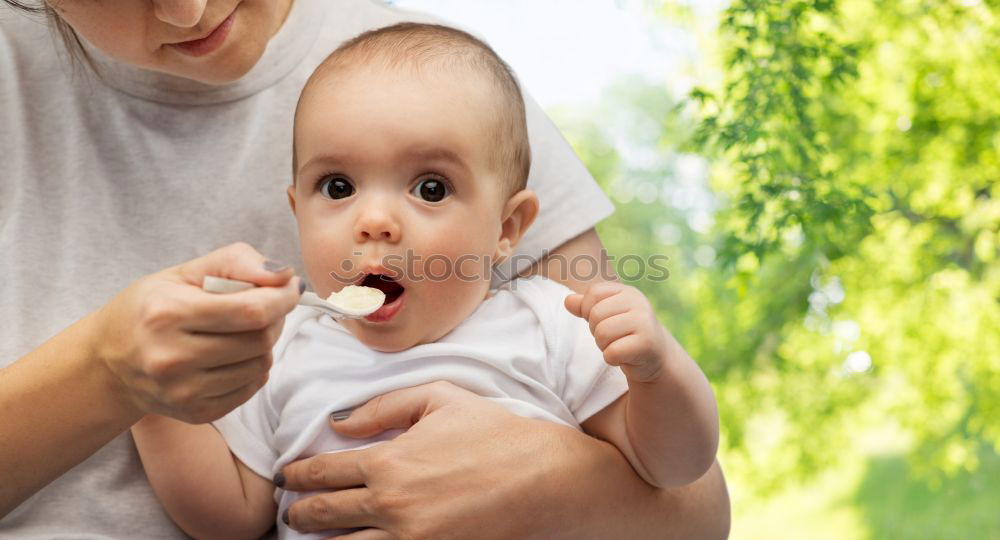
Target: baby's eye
[
  {"x": 431, "y": 190},
  {"x": 336, "y": 187}
]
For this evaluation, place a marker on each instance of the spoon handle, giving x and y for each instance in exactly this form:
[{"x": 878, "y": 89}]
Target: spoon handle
[
  {"x": 311, "y": 299},
  {"x": 225, "y": 286}
]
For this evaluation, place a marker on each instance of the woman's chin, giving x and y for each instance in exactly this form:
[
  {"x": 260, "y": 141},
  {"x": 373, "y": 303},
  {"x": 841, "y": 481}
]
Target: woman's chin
[
  {"x": 231, "y": 73},
  {"x": 219, "y": 68}
]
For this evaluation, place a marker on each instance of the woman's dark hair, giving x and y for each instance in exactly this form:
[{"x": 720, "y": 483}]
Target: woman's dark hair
[
  {"x": 26, "y": 7},
  {"x": 69, "y": 38}
]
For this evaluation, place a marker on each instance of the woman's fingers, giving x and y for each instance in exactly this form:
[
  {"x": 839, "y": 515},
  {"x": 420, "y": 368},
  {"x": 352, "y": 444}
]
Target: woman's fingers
[
  {"x": 206, "y": 359},
  {"x": 365, "y": 534},
  {"x": 344, "y": 509},
  {"x": 223, "y": 380},
  {"x": 398, "y": 409},
  {"x": 235, "y": 261},
  {"x": 449, "y": 476},
  {"x": 276, "y": 294},
  {"x": 338, "y": 470},
  {"x": 243, "y": 311},
  {"x": 208, "y": 409},
  {"x": 208, "y": 351},
  {"x": 219, "y": 406}
]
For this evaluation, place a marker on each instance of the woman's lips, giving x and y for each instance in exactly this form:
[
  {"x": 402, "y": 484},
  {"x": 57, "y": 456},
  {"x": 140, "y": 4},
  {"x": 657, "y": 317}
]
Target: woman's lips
[
  {"x": 209, "y": 43},
  {"x": 387, "y": 311}
]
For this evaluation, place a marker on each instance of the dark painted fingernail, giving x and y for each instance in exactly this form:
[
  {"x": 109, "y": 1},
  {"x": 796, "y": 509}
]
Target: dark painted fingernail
[
  {"x": 284, "y": 517},
  {"x": 275, "y": 266},
  {"x": 302, "y": 286},
  {"x": 340, "y": 415},
  {"x": 279, "y": 479}
]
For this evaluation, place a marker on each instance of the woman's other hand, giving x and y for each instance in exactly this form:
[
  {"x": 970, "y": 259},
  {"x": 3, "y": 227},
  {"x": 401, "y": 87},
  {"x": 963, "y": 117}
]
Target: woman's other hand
[
  {"x": 467, "y": 468},
  {"x": 182, "y": 352}
]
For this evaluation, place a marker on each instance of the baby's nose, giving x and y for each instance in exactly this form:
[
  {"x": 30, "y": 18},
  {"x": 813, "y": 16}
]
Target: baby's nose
[{"x": 377, "y": 223}]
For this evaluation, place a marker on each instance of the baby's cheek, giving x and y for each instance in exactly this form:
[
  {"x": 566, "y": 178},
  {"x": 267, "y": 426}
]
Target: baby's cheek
[
  {"x": 447, "y": 304},
  {"x": 328, "y": 269},
  {"x": 462, "y": 256}
]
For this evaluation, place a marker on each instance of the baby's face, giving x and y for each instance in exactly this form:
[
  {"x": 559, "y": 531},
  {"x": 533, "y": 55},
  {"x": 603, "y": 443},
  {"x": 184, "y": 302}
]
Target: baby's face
[{"x": 393, "y": 180}]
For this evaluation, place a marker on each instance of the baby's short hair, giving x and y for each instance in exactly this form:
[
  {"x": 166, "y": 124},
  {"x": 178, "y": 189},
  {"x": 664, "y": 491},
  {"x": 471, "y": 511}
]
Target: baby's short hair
[{"x": 418, "y": 45}]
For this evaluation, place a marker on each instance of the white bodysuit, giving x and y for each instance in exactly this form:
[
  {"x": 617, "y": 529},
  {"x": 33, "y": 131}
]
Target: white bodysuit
[{"x": 520, "y": 348}]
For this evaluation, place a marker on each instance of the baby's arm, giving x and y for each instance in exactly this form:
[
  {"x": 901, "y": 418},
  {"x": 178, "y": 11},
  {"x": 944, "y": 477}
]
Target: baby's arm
[
  {"x": 667, "y": 424},
  {"x": 204, "y": 488}
]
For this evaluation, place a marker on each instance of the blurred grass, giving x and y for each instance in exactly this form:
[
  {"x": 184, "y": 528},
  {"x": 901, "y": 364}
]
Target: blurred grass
[
  {"x": 898, "y": 503},
  {"x": 881, "y": 498},
  {"x": 819, "y": 510}
]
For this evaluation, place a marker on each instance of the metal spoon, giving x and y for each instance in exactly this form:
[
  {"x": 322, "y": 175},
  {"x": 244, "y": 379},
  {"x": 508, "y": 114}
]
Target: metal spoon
[{"x": 337, "y": 311}]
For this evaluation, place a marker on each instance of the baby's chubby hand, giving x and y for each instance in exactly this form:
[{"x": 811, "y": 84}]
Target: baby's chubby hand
[{"x": 625, "y": 328}]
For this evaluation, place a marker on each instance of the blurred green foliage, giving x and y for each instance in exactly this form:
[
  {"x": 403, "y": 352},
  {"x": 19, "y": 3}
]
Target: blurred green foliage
[
  {"x": 898, "y": 503},
  {"x": 836, "y": 274}
]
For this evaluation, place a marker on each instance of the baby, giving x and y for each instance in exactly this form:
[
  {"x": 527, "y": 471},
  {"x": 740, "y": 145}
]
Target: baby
[{"x": 410, "y": 164}]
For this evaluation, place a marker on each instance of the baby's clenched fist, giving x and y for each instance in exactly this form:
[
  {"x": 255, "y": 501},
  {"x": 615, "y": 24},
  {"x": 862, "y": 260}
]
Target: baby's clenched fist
[{"x": 625, "y": 328}]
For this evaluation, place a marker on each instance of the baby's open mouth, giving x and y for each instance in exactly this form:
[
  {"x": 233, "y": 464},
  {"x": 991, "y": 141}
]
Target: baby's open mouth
[
  {"x": 393, "y": 296},
  {"x": 386, "y": 284}
]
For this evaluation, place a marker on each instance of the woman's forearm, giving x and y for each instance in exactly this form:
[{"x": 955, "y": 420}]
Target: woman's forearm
[
  {"x": 162, "y": 345},
  {"x": 697, "y": 510},
  {"x": 625, "y": 506},
  {"x": 58, "y": 405},
  {"x": 561, "y": 263}
]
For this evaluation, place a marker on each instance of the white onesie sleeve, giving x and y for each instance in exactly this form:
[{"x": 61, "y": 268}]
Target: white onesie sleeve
[
  {"x": 585, "y": 382},
  {"x": 249, "y": 429},
  {"x": 590, "y": 384},
  {"x": 249, "y": 433}
]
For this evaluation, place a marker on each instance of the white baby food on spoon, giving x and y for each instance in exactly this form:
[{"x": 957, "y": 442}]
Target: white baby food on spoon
[{"x": 357, "y": 298}]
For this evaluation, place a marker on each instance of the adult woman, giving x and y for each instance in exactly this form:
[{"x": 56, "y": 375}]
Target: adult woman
[{"x": 196, "y": 92}]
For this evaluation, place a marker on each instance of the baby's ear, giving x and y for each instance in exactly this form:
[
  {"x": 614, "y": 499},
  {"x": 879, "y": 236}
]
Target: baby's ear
[
  {"x": 518, "y": 214},
  {"x": 291, "y": 197}
]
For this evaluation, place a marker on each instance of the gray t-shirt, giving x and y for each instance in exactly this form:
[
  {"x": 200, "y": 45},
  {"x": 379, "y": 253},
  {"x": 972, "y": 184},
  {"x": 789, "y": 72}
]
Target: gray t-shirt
[{"x": 104, "y": 180}]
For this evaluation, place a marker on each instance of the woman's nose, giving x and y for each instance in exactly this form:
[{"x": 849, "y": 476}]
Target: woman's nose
[
  {"x": 182, "y": 13},
  {"x": 376, "y": 221}
]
